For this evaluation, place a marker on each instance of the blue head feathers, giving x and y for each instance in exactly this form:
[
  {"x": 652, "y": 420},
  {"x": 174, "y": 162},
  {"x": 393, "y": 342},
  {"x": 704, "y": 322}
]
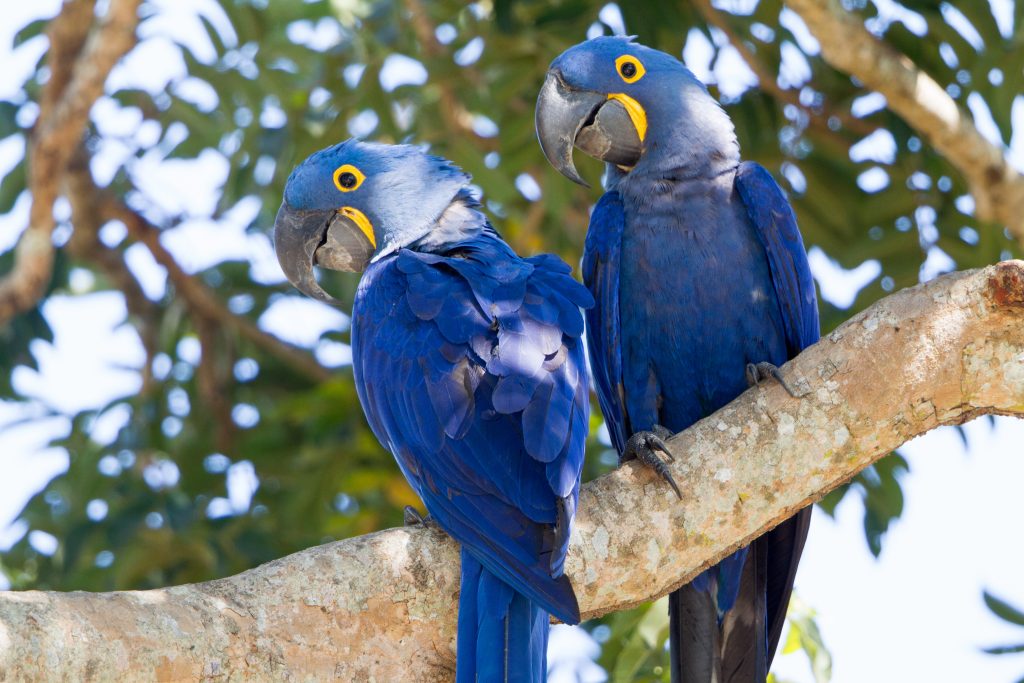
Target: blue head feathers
[
  {"x": 357, "y": 201},
  {"x": 637, "y": 108}
]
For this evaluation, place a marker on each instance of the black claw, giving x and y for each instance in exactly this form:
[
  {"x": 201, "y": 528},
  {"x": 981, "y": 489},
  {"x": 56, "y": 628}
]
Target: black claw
[
  {"x": 644, "y": 447},
  {"x": 756, "y": 372},
  {"x": 412, "y": 517}
]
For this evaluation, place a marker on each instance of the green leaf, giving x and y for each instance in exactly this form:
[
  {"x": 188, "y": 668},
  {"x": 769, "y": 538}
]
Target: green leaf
[
  {"x": 11, "y": 187},
  {"x": 29, "y": 31},
  {"x": 649, "y": 635},
  {"x": 1004, "y": 610},
  {"x": 805, "y": 635}
]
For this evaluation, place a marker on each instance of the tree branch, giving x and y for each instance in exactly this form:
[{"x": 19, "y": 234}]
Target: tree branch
[
  {"x": 456, "y": 119},
  {"x": 80, "y": 67},
  {"x": 768, "y": 79},
  {"x": 382, "y": 606},
  {"x": 199, "y": 297},
  {"x": 85, "y": 243},
  {"x": 997, "y": 187}
]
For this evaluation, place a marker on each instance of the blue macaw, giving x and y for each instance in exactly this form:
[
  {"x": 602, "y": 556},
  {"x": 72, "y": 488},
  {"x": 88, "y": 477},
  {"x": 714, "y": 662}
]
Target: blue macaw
[
  {"x": 702, "y": 288},
  {"x": 469, "y": 364}
]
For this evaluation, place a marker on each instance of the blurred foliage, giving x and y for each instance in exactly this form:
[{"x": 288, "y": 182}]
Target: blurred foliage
[
  {"x": 634, "y": 643},
  {"x": 266, "y": 82},
  {"x": 805, "y": 636},
  {"x": 879, "y": 486},
  {"x": 1010, "y": 614}
]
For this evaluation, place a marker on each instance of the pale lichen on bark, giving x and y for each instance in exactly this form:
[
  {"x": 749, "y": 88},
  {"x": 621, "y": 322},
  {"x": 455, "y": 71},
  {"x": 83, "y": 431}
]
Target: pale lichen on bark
[{"x": 382, "y": 607}]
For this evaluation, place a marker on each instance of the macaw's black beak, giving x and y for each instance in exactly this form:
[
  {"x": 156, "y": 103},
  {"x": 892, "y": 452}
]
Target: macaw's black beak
[
  {"x": 598, "y": 124},
  {"x": 339, "y": 240}
]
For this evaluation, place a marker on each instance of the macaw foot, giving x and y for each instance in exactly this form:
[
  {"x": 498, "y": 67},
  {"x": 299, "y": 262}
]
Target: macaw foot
[
  {"x": 758, "y": 372},
  {"x": 412, "y": 517},
  {"x": 644, "y": 446}
]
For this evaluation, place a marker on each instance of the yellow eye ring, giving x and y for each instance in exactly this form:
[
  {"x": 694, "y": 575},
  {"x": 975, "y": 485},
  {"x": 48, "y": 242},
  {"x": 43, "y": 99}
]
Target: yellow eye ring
[
  {"x": 348, "y": 178},
  {"x": 629, "y": 68}
]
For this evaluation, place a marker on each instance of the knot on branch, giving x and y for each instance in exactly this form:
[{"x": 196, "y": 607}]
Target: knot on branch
[{"x": 1006, "y": 284}]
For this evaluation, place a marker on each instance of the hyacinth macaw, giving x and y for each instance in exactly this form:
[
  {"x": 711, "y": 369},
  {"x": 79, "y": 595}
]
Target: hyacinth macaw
[
  {"x": 702, "y": 288},
  {"x": 469, "y": 365}
]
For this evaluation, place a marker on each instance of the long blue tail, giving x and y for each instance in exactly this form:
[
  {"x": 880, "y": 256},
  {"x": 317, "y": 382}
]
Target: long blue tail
[{"x": 502, "y": 636}]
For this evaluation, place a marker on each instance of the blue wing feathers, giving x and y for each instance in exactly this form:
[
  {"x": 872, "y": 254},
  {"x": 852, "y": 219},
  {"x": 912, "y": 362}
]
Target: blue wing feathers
[
  {"x": 601, "y": 274},
  {"x": 473, "y": 378},
  {"x": 776, "y": 227}
]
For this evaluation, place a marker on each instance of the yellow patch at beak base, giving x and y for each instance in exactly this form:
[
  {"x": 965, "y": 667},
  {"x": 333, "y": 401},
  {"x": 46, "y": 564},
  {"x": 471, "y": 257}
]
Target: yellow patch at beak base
[
  {"x": 360, "y": 219},
  {"x": 636, "y": 113}
]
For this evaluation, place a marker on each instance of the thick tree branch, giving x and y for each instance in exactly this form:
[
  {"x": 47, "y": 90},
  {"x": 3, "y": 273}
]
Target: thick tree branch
[
  {"x": 997, "y": 187},
  {"x": 80, "y": 67},
  {"x": 382, "y": 607}
]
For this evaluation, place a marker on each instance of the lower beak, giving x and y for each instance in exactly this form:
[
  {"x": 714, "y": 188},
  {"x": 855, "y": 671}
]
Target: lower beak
[
  {"x": 330, "y": 239},
  {"x": 598, "y": 124}
]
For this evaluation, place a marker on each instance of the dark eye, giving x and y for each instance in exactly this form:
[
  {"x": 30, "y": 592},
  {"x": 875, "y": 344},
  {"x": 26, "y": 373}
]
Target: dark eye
[
  {"x": 347, "y": 180},
  {"x": 628, "y": 69}
]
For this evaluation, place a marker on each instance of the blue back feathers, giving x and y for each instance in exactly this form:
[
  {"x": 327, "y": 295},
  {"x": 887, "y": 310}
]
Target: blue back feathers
[{"x": 490, "y": 417}]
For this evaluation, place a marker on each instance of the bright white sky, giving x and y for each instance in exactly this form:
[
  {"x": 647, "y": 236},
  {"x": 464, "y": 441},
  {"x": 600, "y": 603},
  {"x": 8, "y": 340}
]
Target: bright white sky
[{"x": 915, "y": 614}]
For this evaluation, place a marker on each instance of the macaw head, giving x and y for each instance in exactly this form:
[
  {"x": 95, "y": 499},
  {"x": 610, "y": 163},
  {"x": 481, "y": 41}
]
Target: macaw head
[
  {"x": 625, "y": 103},
  {"x": 355, "y": 202}
]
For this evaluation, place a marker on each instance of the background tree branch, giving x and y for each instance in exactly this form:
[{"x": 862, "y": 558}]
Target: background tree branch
[
  {"x": 768, "y": 80},
  {"x": 381, "y": 606},
  {"x": 199, "y": 297},
  {"x": 997, "y": 187},
  {"x": 80, "y": 64}
]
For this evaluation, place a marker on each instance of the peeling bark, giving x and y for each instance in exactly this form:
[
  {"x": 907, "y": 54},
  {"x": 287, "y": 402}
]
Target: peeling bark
[
  {"x": 382, "y": 607},
  {"x": 997, "y": 187}
]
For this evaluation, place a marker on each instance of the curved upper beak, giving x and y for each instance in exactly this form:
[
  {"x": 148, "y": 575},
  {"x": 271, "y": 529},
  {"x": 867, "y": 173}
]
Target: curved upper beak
[
  {"x": 597, "y": 123},
  {"x": 338, "y": 240}
]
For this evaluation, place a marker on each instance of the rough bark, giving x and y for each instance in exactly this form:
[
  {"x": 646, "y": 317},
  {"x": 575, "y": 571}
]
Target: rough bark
[
  {"x": 997, "y": 187},
  {"x": 382, "y": 607}
]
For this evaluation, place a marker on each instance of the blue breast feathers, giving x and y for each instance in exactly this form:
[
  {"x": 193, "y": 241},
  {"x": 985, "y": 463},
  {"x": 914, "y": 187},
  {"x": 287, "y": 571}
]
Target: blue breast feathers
[{"x": 469, "y": 366}]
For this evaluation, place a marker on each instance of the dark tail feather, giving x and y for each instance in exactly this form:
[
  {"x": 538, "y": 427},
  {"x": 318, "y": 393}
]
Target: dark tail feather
[
  {"x": 786, "y": 543},
  {"x": 502, "y": 636},
  {"x": 727, "y": 632},
  {"x": 743, "y": 627},
  {"x": 716, "y": 623},
  {"x": 693, "y": 634}
]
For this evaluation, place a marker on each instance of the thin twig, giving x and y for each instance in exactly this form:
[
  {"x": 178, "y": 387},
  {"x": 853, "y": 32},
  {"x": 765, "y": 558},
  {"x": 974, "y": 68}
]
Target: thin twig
[
  {"x": 85, "y": 244},
  {"x": 456, "y": 118},
  {"x": 200, "y": 299}
]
